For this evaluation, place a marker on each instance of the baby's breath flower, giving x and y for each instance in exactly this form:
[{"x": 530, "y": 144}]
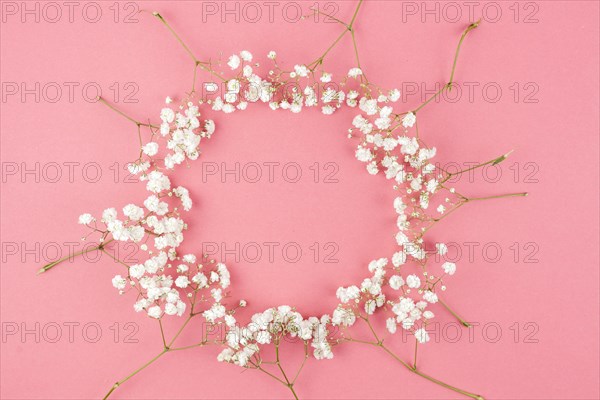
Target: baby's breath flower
[
  {"x": 86, "y": 218},
  {"x": 421, "y": 335},
  {"x": 246, "y": 55},
  {"x": 234, "y": 62},
  {"x": 409, "y": 120},
  {"x": 449, "y": 268},
  {"x": 326, "y": 77},
  {"x": 354, "y": 72}
]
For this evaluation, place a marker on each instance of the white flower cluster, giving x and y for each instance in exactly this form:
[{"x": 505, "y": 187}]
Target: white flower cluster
[
  {"x": 161, "y": 280},
  {"x": 408, "y": 312},
  {"x": 164, "y": 280},
  {"x": 154, "y": 218},
  {"x": 291, "y": 91},
  {"x": 387, "y": 147},
  {"x": 184, "y": 131},
  {"x": 243, "y": 342}
]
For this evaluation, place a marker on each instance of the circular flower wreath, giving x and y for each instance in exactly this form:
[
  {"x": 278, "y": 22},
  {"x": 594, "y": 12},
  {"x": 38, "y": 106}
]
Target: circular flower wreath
[{"x": 171, "y": 284}]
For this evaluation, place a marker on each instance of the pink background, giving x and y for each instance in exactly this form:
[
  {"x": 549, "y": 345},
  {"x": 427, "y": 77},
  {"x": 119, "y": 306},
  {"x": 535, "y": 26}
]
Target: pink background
[{"x": 556, "y": 57}]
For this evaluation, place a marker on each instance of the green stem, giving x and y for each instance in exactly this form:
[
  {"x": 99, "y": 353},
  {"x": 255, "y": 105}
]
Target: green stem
[
  {"x": 55, "y": 263},
  {"x": 416, "y": 353},
  {"x": 162, "y": 334},
  {"x": 447, "y": 386},
  {"x": 461, "y": 320},
  {"x": 180, "y": 330},
  {"x": 115, "y": 109},
  {"x": 462, "y": 38},
  {"x": 366, "y": 319},
  {"x": 499, "y": 196},
  {"x": 303, "y": 363},
  {"x": 439, "y": 92},
  {"x": 187, "y": 49},
  {"x": 351, "y": 24},
  {"x": 197, "y": 63},
  {"x": 201, "y": 344},
  {"x": 278, "y": 362},
  {"x": 349, "y": 28},
  {"x": 317, "y": 11},
  {"x": 166, "y": 349},
  {"x": 414, "y": 370},
  {"x": 286, "y": 383},
  {"x": 291, "y": 386},
  {"x": 119, "y": 383},
  {"x": 261, "y": 369},
  {"x": 495, "y": 161},
  {"x": 448, "y": 85}
]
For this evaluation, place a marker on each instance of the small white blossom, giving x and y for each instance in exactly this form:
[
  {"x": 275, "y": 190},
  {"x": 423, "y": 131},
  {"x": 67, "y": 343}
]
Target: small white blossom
[
  {"x": 150, "y": 149},
  {"x": 394, "y": 95},
  {"x": 182, "y": 281},
  {"x": 85, "y": 219},
  {"x": 421, "y": 335},
  {"x": 449, "y": 268},
  {"x": 137, "y": 271},
  {"x": 301, "y": 70},
  {"x": 246, "y": 55},
  {"x": 399, "y": 258},
  {"x": 413, "y": 281},
  {"x": 234, "y": 62},
  {"x": 441, "y": 248},
  {"x": 154, "y": 312},
  {"x": 409, "y": 120},
  {"x": 119, "y": 282},
  {"x": 133, "y": 212},
  {"x": 430, "y": 296},
  {"x": 391, "y": 326},
  {"x": 355, "y": 72},
  {"x": 396, "y": 282},
  {"x": 326, "y": 77}
]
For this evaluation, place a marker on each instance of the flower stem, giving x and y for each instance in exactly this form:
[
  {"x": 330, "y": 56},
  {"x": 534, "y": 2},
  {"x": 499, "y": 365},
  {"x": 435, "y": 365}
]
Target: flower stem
[
  {"x": 349, "y": 28},
  {"x": 162, "y": 334},
  {"x": 461, "y": 320},
  {"x": 499, "y": 196},
  {"x": 448, "y": 85},
  {"x": 416, "y": 352},
  {"x": 429, "y": 378},
  {"x": 439, "y": 92},
  {"x": 166, "y": 349},
  {"x": 291, "y": 386},
  {"x": 414, "y": 370},
  {"x": 115, "y": 109},
  {"x": 278, "y": 362},
  {"x": 119, "y": 383},
  {"x": 179, "y": 331},
  {"x": 316, "y": 11},
  {"x": 355, "y": 14},
  {"x": 462, "y": 38},
  {"x": 447, "y": 386},
  {"x": 67, "y": 257},
  {"x": 495, "y": 161},
  {"x": 186, "y": 48},
  {"x": 197, "y": 63},
  {"x": 286, "y": 383},
  {"x": 303, "y": 363}
]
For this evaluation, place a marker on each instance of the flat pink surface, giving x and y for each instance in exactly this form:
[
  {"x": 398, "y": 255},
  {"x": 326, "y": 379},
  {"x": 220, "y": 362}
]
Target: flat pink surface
[{"x": 528, "y": 268}]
